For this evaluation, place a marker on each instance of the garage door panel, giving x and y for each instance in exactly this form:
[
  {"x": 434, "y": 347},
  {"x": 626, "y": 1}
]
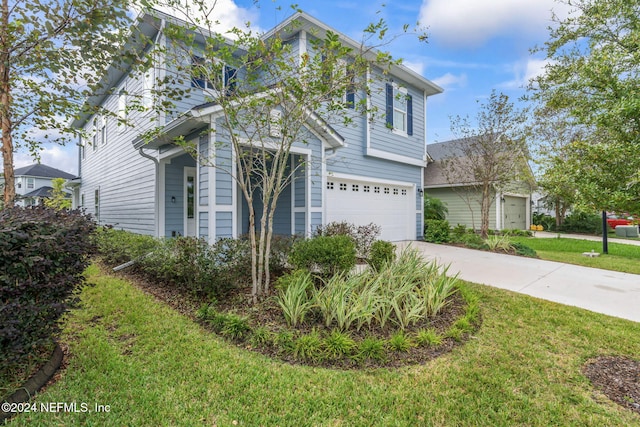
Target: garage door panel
[{"x": 392, "y": 207}]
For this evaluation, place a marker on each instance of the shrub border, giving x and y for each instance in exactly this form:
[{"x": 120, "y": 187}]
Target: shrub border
[{"x": 36, "y": 382}]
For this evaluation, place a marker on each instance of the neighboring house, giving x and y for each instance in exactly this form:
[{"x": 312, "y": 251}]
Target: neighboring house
[
  {"x": 371, "y": 172},
  {"x": 513, "y": 207},
  {"x": 34, "y": 183}
]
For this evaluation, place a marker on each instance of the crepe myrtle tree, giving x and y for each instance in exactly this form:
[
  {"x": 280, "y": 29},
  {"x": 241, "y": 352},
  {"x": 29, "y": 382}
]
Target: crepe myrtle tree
[
  {"x": 271, "y": 106},
  {"x": 51, "y": 53},
  {"x": 489, "y": 154}
]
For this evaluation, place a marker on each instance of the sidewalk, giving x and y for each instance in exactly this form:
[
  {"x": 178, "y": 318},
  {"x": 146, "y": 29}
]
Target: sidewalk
[
  {"x": 608, "y": 292},
  {"x": 549, "y": 235}
]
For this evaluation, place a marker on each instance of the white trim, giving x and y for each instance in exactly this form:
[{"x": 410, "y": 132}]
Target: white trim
[
  {"x": 303, "y": 44},
  {"x": 369, "y": 179},
  {"x": 186, "y": 171},
  {"x": 160, "y": 206},
  {"x": 211, "y": 152},
  {"x": 374, "y": 152},
  {"x": 171, "y": 153}
]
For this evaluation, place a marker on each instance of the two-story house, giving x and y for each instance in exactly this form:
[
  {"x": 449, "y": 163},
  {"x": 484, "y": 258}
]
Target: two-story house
[
  {"x": 34, "y": 183},
  {"x": 362, "y": 173}
]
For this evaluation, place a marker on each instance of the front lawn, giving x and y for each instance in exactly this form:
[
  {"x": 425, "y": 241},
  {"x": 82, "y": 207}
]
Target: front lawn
[
  {"x": 153, "y": 366},
  {"x": 621, "y": 257}
]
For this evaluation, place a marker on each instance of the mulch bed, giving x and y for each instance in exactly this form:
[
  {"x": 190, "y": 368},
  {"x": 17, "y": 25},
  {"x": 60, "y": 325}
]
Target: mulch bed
[
  {"x": 267, "y": 314},
  {"x": 618, "y": 378}
]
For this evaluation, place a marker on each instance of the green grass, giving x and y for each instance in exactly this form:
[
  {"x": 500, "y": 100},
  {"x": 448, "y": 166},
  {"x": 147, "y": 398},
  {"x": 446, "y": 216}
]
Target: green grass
[
  {"x": 621, "y": 257},
  {"x": 155, "y": 367}
]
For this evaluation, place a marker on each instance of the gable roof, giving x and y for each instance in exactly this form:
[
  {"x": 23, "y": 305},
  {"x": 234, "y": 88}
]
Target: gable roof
[
  {"x": 149, "y": 25},
  {"x": 40, "y": 192},
  {"x": 434, "y": 173},
  {"x": 42, "y": 171}
]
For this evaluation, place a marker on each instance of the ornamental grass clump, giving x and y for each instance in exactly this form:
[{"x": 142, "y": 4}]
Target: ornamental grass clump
[{"x": 293, "y": 296}]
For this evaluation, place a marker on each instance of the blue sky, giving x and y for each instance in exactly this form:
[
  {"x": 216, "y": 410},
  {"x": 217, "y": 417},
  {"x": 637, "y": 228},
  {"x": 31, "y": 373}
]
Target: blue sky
[{"x": 474, "y": 47}]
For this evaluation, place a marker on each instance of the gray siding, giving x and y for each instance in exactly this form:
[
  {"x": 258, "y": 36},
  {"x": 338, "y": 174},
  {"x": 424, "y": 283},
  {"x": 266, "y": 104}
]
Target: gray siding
[
  {"x": 203, "y": 223},
  {"x": 174, "y": 187},
  {"x": 224, "y": 183},
  {"x": 224, "y": 224},
  {"x": 316, "y": 220},
  {"x": 203, "y": 176},
  {"x": 125, "y": 179},
  {"x": 300, "y": 226},
  {"x": 461, "y": 212}
]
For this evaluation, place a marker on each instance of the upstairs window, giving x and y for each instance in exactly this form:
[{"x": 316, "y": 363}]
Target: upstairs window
[
  {"x": 399, "y": 109},
  {"x": 31, "y": 182},
  {"x": 200, "y": 76}
]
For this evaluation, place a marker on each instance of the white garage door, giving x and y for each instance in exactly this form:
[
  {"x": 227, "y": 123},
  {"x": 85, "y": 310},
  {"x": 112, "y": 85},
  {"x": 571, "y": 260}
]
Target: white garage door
[{"x": 392, "y": 207}]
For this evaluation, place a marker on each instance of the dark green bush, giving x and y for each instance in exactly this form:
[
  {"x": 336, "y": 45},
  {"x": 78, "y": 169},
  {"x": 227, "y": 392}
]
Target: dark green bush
[
  {"x": 470, "y": 239},
  {"x": 434, "y": 208},
  {"x": 524, "y": 250},
  {"x": 327, "y": 255},
  {"x": 517, "y": 233},
  {"x": 118, "y": 246},
  {"x": 458, "y": 231},
  {"x": 382, "y": 252},
  {"x": 44, "y": 253},
  {"x": 547, "y": 221},
  {"x": 436, "y": 231},
  {"x": 363, "y": 235},
  {"x": 582, "y": 222}
]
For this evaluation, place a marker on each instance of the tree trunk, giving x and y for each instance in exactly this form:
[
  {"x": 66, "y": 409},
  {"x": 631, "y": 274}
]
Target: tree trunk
[{"x": 5, "y": 108}]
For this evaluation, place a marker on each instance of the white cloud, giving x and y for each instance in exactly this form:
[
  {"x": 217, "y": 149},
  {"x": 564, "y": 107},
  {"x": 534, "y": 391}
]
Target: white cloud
[
  {"x": 225, "y": 14},
  {"x": 60, "y": 157},
  {"x": 524, "y": 71},
  {"x": 450, "y": 81},
  {"x": 471, "y": 23},
  {"x": 418, "y": 67}
]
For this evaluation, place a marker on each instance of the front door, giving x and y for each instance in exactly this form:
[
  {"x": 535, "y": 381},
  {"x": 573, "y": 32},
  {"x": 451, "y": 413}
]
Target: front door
[{"x": 190, "y": 201}]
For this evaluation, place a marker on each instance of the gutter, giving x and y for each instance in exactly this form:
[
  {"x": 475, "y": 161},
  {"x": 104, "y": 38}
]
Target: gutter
[{"x": 156, "y": 188}]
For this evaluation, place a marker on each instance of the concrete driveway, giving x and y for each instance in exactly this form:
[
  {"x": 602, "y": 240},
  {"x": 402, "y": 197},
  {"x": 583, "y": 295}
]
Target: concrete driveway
[{"x": 602, "y": 291}]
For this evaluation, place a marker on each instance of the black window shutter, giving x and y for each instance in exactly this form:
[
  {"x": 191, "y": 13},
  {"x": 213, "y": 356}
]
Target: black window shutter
[
  {"x": 409, "y": 115},
  {"x": 390, "y": 105}
]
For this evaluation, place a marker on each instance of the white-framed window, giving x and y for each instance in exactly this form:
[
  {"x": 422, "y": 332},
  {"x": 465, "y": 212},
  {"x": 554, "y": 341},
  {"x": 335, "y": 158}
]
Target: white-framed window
[
  {"x": 399, "y": 109},
  {"x": 275, "y": 120},
  {"x": 95, "y": 134},
  {"x": 96, "y": 204},
  {"x": 200, "y": 76},
  {"x": 330, "y": 185},
  {"x": 31, "y": 182},
  {"x": 122, "y": 103}
]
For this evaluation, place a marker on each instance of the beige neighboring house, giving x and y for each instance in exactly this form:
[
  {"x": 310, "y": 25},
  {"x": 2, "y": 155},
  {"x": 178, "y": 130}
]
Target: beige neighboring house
[
  {"x": 34, "y": 183},
  {"x": 513, "y": 207}
]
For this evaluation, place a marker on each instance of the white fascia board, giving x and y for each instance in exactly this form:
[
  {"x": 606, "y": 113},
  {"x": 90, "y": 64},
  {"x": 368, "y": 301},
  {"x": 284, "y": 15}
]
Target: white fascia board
[{"x": 373, "y": 152}]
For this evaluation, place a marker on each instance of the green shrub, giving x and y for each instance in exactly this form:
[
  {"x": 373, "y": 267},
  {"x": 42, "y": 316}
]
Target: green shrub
[
  {"x": 309, "y": 347},
  {"x": 547, "y": 221},
  {"x": 261, "y": 337},
  {"x": 428, "y": 338},
  {"x": 363, "y": 236},
  {"x": 498, "y": 243},
  {"x": 117, "y": 247},
  {"x": 328, "y": 255},
  {"x": 293, "y": 296},
  {"x": 44, "y": 253},
  {"x": 436, "y": 231},
  {"x": 235, "y": 327},
  {"x": 524, "y": 250},
  {"x": 339, "y": 344},
  {"x": 400, "y": 342},
  {"x": 346, "y": 300},
  {"x": 285, "y": 342},
  {"x": 582, "y": 222},
  {"x": 458, "y": 231},
  {"x": 372, "y": 348},
  {"x": 434, "y": 208},
  {"x": 517, "y": 232},
  {"x": 382, "y": 253},
  {"x": 473, "y": 241}
]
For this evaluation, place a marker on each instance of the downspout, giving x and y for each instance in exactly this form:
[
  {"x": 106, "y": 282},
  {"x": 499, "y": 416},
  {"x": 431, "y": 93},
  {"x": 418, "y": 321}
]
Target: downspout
[{"x": 156, "y": 189}]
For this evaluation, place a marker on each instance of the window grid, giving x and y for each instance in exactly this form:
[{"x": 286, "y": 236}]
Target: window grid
[
  {"x": 366, "y": 188},
  {"x": 376, "y": 189},
  {"x": 330, "y": 185},
  {"x": 386, "y": 190},
  {"x": 343, "y": 187},
  {"x": 355, "y": 187}
]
